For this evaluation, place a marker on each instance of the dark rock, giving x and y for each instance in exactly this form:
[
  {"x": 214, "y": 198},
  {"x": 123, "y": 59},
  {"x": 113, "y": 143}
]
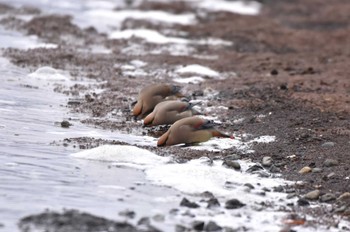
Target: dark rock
[
  {"x": 274, "y": 72},
  {"x": 65, "y": 124},
  {"x": 213, "y": 203},
  {"x": 303, "y": 202},
  {"x": 186, "y": 203},
  {"x": 158, "y": 218},
  {"x": 198, "y": 225},
  {"x": 327, "y": 197},
  {"x": 291, "y": 195},
  {"x": 274, "y": 169},
  {"x": 232, "y": 164},
  {"x": 284, "y": 87},
  {"x": 127, "y": 213},
  {"x": 207, "y": 194},
  {"x": 212, "y": 226},
  {"x": 278, "y": 189},
  {"x": 255, "y": 168},
  {"x": 173, "y": 211},
  {"x": 249, "y": 185},
  {"x": 145, "y": 221},
  {"x": 72, "y": 220},
  {"x": 330, "y": 162},
  {"x": 233, "y": 204}
]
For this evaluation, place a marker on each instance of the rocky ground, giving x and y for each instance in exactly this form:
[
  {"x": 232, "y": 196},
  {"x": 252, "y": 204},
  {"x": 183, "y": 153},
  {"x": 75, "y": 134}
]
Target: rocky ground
[{"x": 286, "y": 74}]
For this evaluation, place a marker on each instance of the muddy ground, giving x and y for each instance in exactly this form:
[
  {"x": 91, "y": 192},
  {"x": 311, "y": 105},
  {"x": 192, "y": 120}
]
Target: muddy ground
[{"x": 290, "y": 64}]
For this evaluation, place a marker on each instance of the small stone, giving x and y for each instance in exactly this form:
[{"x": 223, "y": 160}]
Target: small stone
[
  {"x": 233, "y": 204},
  {"x": 291, "y": 195},
  {"x": 327, "y": 197},
  {"x": 212, "y": 226},
  {"x": 313, "y": 195},
  {"x": 331, "y": 175},
  {"x": 317, "y": 170},
  {"x": 249, "y": 185},
  {"x": 278, "y": 189},
  {"x": 65, "y": 124},
  {"x": 185, "y": 202},
  {"x": 330, "y": 162},
  {"x": 207, "y": 194},
  {"x": 274, "y": 169},
  {"x": 266, "y": 161},
  {"x": 344, "y": 196},
  {"x": 328, "y": 144},
  {"x": 127, "y": 213},
  {"x": 198, "y": 225},
  {"x": 255, "y": 168},
  {"x": 232, "y": 164},
  {"x": 274, "y": 72},
  {"x": 305, "y": 170},
  {"x": 174, "y": 211},
  {"x": 145, "y": 221},
  {"x": 303, "y": 202},
  {"x": 213, "y": 203}
]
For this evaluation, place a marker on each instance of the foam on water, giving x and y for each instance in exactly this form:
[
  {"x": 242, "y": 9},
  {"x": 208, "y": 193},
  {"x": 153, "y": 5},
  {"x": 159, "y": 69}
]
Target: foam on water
[{"x": 50, "y": 74}]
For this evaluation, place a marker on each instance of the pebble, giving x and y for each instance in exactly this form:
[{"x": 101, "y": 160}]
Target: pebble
[
  {"x": 266, "y": 161},
  {"x": 232, "y": 157},
  {"x": 313, "y": 195},
  {"x": 198, "y": 225},
  {"x": 249, "y": 185},
  {"x": 303, "y": 202},
  {"x": 327, "y": 197},
  {"x": 340, "y": 209},
  {"x": 233, "y": 204},
  {"x": 274, "y": 72},
  {"x": 185, "y": 202},
  {"x": 328, "y": 144},
  {"x": 212, "y": 226},
  {"x": 291, "y": 195},
  {"x": 344, "y": 196},
  {"x": 331, "y": 175},
  {"x": 207, "y": 194},
  {"x": 254, "y": 168},
  {"x": 317, "y": 170},
  {"x": 278, "y": 189},
  {"x": 232, "y": 164},
  {"x": 213, "y": 203},
  {"x": 274, "y": 169},
  {"x": 65, "y": 124},
  {"x": 127, "y": 213},
  {"x": 145, "y": 221},
  {"x": 305, "y": 170},
  {"x": 330, "y": 162}
]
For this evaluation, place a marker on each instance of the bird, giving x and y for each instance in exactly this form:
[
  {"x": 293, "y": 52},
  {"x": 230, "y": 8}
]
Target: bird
[
  {"x": 191, "y": 130},
  {"x": 168, "y": 112},
  {"x": 151, "y": 95}
]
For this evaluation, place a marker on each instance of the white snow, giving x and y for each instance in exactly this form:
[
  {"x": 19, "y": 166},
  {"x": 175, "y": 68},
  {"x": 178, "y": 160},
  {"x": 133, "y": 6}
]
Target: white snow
[
  {"x": 122, "y": 155},
  {"x": 238, "y": 7},
  {"x": 189, "y": 80},
  {"x": 104, "y": 20},
  {"x": 198, "y": 69},
  {"x": 150, "y": 36}
]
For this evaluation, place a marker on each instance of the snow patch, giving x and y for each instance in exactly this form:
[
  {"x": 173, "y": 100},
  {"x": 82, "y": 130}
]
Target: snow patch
[
  {"x": 189, "y": 80},
  {"x": 238, "y": 7},
  {"x": 122, "y": 155},
  {"x": 198, "y": 69}
]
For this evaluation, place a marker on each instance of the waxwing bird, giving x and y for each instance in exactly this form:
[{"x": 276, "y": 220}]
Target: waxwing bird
[
  {"x": 190, "y": 130},
  {"x": 168, "y": 112},
  {"x": 151, "y": 95}
]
